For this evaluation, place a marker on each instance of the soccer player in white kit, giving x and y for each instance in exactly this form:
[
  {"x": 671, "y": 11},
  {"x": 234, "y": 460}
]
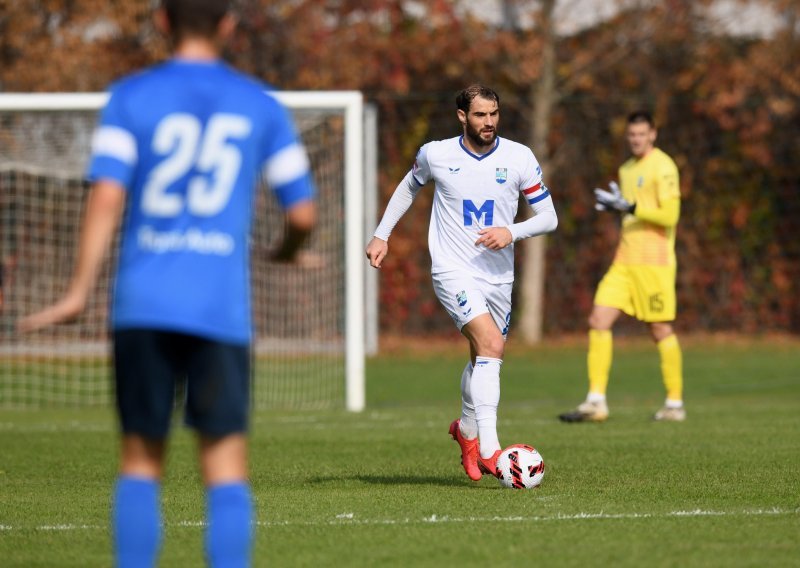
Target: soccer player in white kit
[{"x": 478, "y": 179}]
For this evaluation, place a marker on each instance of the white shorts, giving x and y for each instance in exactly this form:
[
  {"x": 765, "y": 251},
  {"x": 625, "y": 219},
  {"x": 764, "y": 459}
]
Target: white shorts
[{"x": 465, "y": 297}]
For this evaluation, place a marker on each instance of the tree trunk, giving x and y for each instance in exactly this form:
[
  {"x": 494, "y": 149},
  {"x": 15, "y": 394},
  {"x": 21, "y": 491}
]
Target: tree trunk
[{"x": 542, "y": 100}]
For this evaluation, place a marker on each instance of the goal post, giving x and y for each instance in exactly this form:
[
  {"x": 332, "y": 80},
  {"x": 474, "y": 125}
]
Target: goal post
[{"x": 309, "y": 342}]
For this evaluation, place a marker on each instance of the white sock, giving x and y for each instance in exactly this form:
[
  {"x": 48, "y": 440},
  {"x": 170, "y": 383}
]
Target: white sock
[
  {"x": 485, "y": 390},
  {"x": 670, "y": 403},
  {"x": 469, "y": 427},
  {"x": 595, "y": 397}
]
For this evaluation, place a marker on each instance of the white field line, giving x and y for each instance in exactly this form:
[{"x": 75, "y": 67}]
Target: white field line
[{"x": 350, "y": 519}]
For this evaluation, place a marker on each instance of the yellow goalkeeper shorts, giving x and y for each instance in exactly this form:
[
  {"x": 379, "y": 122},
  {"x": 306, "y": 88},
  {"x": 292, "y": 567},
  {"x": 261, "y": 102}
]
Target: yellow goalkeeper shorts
[{"x": 644, "y": 292}]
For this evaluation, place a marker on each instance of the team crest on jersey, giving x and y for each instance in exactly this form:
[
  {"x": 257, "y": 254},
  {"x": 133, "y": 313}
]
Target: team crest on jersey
[
  {"x": 461, "y": 298},
  {"x": 640, "y": 181},
  {"x": 500, "y": 175}
]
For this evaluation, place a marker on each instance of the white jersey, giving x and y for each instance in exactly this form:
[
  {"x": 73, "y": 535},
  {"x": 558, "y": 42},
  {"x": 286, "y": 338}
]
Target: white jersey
[{"x": 475, "y": 192}]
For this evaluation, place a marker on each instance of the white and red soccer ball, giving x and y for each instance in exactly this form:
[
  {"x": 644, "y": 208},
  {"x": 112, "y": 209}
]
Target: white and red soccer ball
[{"x": 520, "y": 467}]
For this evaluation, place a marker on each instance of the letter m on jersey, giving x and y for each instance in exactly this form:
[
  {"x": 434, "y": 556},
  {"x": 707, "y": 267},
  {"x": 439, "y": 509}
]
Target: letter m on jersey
[{"x": 471, "y": 211}]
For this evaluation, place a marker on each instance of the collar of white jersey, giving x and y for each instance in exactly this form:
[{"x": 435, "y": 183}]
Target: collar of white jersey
[{"x": 478, "y": 156}]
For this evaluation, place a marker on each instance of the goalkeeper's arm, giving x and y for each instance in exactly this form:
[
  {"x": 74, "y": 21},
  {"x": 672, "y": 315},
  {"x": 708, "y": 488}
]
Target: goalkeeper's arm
[{"x": 665, "y": 216}]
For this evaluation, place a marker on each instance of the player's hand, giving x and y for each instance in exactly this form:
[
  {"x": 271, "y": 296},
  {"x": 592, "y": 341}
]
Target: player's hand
[
  {"x": 377, "y": 249},
  {"x": 612, "y": 200},
  {"x": 494, "y": 238},
  {"x": 66, "y": 309}
]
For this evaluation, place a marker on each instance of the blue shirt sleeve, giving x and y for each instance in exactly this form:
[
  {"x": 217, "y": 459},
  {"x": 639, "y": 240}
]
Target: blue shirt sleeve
[
  {"x": 114, "y": 149},
  {"x": 287, "y": 168}
]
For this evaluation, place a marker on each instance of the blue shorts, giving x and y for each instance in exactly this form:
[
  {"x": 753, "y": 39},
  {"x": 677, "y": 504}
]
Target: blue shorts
[{"x": 149, "y": 365}]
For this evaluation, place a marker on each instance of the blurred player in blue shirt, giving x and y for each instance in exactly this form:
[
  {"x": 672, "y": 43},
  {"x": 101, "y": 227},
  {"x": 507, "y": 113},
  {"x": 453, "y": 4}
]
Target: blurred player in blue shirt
[{"x": 179, "y": 149}]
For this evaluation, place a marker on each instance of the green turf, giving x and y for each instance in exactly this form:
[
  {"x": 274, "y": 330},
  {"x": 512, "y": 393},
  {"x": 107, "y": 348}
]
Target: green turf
[{"x": 384, "y": 488}]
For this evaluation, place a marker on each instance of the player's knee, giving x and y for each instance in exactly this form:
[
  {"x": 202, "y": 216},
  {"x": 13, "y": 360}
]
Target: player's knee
[
  {"x": 595, "y": 321},
  {"x": 491, "y": 346},
  {"x": 602, "y": 318},
  {"x": 660, "y": 331}
]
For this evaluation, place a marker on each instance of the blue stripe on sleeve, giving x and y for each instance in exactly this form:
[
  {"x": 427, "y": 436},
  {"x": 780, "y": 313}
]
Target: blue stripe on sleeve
[
  {"x": 301, "y": 189},
  {"x": 537, "y": 199}
]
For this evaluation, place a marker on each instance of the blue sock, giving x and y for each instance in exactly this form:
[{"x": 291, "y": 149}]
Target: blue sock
[
  {"x": 229, "y": 536},
  {"x": 136, "y": 522}
]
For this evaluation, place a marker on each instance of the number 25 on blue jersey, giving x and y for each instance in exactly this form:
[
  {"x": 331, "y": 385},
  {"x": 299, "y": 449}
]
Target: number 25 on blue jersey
[
  {"x": 180, "y": 138},
  {"x": 472, "y": 211}
]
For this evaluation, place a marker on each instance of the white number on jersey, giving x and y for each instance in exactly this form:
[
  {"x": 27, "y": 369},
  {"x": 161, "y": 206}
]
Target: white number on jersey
[{"x": 178, "y": 137}]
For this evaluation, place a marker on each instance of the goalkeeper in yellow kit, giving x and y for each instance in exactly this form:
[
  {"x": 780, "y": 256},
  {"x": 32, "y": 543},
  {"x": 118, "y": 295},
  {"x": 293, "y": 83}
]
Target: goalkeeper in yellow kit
[{"x": 641, "y": 280}]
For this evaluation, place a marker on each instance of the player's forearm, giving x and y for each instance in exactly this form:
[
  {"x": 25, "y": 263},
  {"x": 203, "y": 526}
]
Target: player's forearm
[
  {"x": 301, "y": 218},
  {"x": 103, "y": 212},
  {"x": 665, "y": 216},
  {"x": 543, "y": 221},
  {"x": 399, "y": 203}
]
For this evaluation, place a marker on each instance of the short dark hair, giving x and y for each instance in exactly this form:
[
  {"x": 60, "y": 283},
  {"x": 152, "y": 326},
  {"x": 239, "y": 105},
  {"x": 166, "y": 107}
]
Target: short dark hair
[
  {"x": 465, "y": 97},
  {"x": 639, "y": 116},
  {"x": 195, "y": 17}
]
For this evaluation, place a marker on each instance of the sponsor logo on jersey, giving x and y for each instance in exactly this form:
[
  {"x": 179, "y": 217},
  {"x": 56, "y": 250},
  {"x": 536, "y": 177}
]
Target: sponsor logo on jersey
[
  {"x": 454, "y": 170},
  {"x": 640, "y": 181},
  {"x": 500, "y": 175},
  {"x": 472, "y": 211},
  {"x": 192, "y": 240}
]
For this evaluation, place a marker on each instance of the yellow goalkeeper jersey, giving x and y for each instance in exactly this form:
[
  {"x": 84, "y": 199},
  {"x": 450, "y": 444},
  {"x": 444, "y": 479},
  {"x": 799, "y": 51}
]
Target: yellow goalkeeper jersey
[{"x": 648, "y": 235}]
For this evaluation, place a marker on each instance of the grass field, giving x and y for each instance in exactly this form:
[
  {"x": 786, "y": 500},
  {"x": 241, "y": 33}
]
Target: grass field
[{"x": 385, "y": 488}]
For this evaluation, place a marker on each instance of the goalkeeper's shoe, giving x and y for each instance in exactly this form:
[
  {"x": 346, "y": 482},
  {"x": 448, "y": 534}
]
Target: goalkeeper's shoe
[
  {"x": 469, "y": 451},
  {"x": 670, "y": 414},
  {"x": 489, "y": 465},
  {"x": 586, "y": 412}
]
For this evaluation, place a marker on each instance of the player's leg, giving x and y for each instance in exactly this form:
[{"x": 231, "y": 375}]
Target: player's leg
[
  {"x": 654, "y": 295},
  {"x": 217, "y": 408},
  {"x": 461, "y": 305},
  {"x": 487, "y": 341},
  {"x": 464, "y": 430},
  {"x": 669, "y": 351},
  {"x": 464, "y": 300},
  {"x": 487, "y": 337},
  {"x": 612, "y": 298},
  {"x": 229, "y": 502},
  {"x": 468, "y": 424},
  {"x": 145, "y": 371},
  {"x": 601, "y": 350}
]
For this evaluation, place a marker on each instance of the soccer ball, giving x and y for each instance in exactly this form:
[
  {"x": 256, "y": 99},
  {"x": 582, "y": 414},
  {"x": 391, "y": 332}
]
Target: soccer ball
[{"x": 520, "y": 467}]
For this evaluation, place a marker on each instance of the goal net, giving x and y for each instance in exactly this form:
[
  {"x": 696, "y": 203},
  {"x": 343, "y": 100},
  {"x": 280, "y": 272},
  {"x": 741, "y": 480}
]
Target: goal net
[{"x": 308, "y": 341}]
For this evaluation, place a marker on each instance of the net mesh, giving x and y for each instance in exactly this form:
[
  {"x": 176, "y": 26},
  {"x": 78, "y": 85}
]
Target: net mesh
[{"x": 298, "y": 312}]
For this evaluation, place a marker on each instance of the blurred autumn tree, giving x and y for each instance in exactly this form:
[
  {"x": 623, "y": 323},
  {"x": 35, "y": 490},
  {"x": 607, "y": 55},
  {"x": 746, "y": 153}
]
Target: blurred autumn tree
[{"x": 727, "y": 100}]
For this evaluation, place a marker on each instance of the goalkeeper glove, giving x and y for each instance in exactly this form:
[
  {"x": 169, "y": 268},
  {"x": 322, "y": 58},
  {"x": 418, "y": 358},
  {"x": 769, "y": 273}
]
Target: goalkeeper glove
[{"x": 612, "y": 200}]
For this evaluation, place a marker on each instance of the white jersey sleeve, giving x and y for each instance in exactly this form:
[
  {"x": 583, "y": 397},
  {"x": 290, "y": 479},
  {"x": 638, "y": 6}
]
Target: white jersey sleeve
[
  {"x": 537, "y": 195},
  {"x": 404, "y": 195},
  {"x": 421, "y": 170},
  {"x": 399, "y": 203}
]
